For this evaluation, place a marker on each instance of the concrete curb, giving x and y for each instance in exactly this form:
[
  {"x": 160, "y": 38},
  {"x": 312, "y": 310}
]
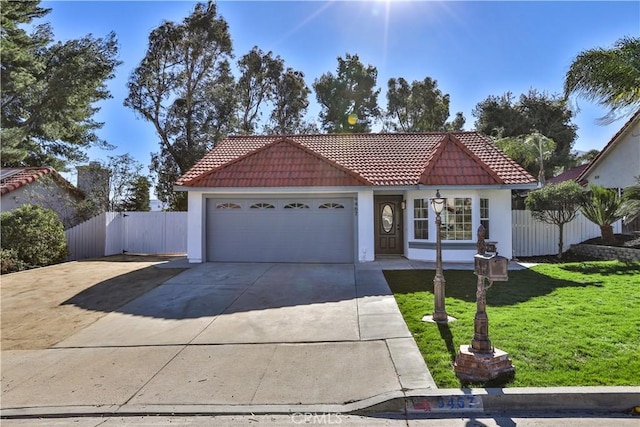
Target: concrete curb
[{"x": 441, "y": 402}]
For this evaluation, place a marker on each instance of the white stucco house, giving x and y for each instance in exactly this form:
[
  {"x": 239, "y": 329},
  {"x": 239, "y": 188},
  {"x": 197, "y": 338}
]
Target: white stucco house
[
  {"x": 41, "y": 186},
  {"x": 348, "y": 197},
  {"x": 618, "y": 164}
]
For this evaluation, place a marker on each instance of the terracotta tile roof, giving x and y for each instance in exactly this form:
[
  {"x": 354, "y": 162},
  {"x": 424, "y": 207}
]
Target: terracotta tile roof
[
  {"x": 263, "y": 168},
  {"x": 451, "y": 155},
  {"x": 14, "y": 178},
  {"x": 379, "y": 159}
]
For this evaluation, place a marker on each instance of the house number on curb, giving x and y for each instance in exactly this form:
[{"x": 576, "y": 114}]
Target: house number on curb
[{"x": 459, "y": 403}]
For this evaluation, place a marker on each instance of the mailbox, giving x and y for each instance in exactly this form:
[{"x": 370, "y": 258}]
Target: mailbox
[{"x": 492, "y": 266}]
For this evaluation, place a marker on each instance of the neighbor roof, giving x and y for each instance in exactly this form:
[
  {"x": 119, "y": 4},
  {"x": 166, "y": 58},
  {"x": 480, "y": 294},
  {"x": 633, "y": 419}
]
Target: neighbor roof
[
  {"x": 375, "y": 159},
  {"x": 13, "y": 178}
]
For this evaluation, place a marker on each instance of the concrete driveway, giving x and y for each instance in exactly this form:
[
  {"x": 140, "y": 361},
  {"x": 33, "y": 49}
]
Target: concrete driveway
[{"x": 246, "y": 335}]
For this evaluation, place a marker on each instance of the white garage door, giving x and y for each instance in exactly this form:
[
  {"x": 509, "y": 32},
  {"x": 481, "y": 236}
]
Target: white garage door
[{"x": 280, "y": 230}]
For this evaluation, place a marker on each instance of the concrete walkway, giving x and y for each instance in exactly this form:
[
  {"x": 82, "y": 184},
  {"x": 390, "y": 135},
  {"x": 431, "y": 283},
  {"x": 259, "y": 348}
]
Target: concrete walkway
[{"x": 245, "y": 335}]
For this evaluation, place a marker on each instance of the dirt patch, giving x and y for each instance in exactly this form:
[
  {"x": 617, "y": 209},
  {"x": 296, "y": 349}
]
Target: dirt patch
[{"x": 42, "y": 307}]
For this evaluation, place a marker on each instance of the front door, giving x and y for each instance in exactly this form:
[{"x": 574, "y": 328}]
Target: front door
[{"x": 388, "y": 225}]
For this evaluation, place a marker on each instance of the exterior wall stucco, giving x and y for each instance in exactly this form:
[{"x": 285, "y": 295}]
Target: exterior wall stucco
[
  {"x": 366, "y": 242},
  {"x": 462, "y": 250},
  {"x": 618, "y": 167},
  {"x": 499, "y": 217},
  {"x": 46, "y": 194},
  {"x": 196, "y": 217}
]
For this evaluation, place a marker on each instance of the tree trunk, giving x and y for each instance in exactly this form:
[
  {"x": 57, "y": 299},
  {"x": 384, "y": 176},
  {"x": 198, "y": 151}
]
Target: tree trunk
[
  {"x": 560, "y": 240},
  {"x": 606, "y": 233}
]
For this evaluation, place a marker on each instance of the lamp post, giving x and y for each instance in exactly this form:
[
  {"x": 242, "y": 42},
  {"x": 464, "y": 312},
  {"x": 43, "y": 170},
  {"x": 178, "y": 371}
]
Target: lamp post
[{"x": 439, "y": 313}]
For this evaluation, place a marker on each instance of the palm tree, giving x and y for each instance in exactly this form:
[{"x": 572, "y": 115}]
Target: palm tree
[
  {"x": 630, "y": 207},
  {"x": 601, "y": 206},
  {"x": 609, "y": 76}
]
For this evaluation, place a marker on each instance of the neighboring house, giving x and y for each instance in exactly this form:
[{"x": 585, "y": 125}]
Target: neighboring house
[
  {"x": 618, "y": 164},
  {"x": 571, "y": 174},
  {"x": 41, "y": 186},
  {"x": 348, "y": 197}
]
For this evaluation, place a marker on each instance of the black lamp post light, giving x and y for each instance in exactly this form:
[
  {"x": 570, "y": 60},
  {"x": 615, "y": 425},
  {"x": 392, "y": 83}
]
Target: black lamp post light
[{"x": 439, "y": 315}]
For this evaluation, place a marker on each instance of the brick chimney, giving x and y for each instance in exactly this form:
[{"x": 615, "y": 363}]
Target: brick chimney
[{"x": 93, "y": 181}]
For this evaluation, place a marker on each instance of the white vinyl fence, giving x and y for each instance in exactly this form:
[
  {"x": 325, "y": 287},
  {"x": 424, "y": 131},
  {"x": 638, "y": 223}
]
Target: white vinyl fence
[
  {"x": 113, "y": 233},
  {"x": 532, "y": 238}
]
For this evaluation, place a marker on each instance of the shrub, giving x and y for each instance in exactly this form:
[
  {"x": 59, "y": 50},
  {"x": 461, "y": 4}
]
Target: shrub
[
  {"x": 35, "y": 234},
  {"x": 9, "y": 261}
]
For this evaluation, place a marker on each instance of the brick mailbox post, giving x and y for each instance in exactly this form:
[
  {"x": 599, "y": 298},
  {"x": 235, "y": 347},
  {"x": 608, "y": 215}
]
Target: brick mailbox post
[{"x": 481, "y": 362}]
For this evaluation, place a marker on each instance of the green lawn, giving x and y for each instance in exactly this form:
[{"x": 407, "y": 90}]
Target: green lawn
[{"x": 575, "y": 324}]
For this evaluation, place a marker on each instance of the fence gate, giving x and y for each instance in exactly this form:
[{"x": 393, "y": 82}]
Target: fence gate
[{"x": 154, "y": 232}]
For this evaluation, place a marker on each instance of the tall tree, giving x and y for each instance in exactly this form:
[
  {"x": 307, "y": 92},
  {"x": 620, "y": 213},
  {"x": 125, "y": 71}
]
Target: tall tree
[
  {"x": 290, "y": 103},
  {"x": 504, "y": 116},
  {"x": 348, "y": 99},
  {"x": 611, "y": 77},
  {"x": 418, "y": 107},
  {"x": 49, "y": 90},
  {"x": 555, "y": 204},
  {"x": 185, "y": 88},
  {"x": 137, "y": 196},
  {"x": 257, "y": 85}
]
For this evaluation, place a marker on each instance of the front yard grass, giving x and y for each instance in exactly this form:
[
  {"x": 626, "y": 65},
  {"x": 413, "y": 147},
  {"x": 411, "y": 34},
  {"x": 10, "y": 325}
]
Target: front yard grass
[{"x": 574, "y": 324}]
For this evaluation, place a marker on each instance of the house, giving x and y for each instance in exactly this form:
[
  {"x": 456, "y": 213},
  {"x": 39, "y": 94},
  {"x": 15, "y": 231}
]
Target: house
[
  {"x": 41, "y": 186},
  {"x": 571, "y": 174},
  {"x": 348, "y": 197},
  {"x": 618, "y": 164},
  {"x": 45, "y": 187}
]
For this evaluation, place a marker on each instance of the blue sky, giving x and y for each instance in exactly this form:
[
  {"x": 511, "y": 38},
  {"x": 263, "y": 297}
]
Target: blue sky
[{"x": 473, "y": 49}]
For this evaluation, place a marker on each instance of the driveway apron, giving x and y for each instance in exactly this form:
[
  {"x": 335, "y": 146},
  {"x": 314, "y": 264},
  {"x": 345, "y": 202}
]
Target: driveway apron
[{"x": 231, "y": 334}]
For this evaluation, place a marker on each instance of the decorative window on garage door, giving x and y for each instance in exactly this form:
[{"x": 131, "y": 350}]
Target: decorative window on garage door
[
  {"x": 262, "y": 206},
  {"x": 296, "y": 206},
  {"x": 228, "y": 206},
  {"x": 331, "y": 206}
]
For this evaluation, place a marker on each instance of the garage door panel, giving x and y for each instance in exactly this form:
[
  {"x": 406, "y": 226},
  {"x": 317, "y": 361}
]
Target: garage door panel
[{"x": 280, "y": 234}]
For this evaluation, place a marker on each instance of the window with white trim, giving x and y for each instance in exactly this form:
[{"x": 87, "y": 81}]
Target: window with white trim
[
  {"x": 484, "y": 216},
  {"x": 421, "y": 219},
  {"x": 457, "y": 220}
]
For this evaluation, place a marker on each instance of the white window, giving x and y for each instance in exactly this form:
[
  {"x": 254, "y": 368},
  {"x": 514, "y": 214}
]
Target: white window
[
  {"x": 421, "y": 219},
  {"x": 484, "y": 216},
  {"x": 457, "y": 220}
]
